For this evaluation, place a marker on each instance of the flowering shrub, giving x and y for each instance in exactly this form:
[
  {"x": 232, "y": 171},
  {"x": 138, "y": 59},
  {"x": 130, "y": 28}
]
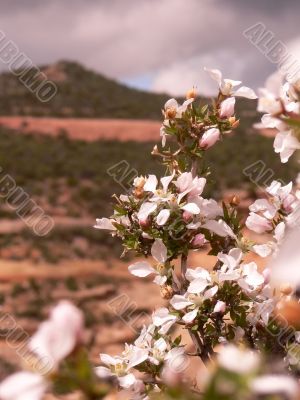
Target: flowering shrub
[{"x": 231, "y": 310}]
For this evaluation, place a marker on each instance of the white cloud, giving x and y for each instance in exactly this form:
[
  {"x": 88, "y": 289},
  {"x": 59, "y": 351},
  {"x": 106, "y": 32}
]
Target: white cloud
[
  {"x": 171, "y": 39},
  {"x": 177, "y": 78}
]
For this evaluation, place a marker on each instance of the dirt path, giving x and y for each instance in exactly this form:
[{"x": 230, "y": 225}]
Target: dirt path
[{"x": 87, "y": 129}]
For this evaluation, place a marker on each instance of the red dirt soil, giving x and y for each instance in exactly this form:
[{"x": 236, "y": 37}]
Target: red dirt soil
[{"x": 87, "y": 129}]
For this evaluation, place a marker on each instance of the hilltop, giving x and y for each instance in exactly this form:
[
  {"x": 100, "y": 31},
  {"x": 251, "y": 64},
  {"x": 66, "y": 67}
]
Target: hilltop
[{"x": 83, "y": 93}]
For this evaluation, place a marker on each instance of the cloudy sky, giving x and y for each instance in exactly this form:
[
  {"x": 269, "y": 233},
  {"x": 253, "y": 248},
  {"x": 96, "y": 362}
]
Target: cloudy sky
[{"x": 159, "y": 45}]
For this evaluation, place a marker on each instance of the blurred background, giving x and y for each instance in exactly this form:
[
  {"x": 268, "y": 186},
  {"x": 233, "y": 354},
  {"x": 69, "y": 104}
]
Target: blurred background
[{"x": 109, "y": 67}]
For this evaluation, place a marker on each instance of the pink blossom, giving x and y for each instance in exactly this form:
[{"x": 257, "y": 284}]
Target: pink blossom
[
  {"x": 199, "y": 240},
  {"x": 187, "y": 216},
  {"x": 227, "y": 107},
  {"x": 220, "y": 307},
  {"x": 258, "y": 224},
  {"x": 209, "y": 138}
]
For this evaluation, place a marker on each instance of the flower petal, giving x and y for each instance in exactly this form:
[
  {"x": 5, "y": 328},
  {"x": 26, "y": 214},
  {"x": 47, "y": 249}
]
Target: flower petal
[
  {"x": 104, "y": 223},
  {"x": 246, "y": 92},
  {"x": 215, "y": 74},
  {"x": 159, "y": 251},
  {"x": 141, "y": 269},
  {"x": 163, "y": 217},
  {"x": 197, "y": 286},
  {"x": 150, "y": 184},
  {"x": 192, "y": 208},
  {"x": 23, "y": 386},
  {"x": 220, "y": 228},
  {"x": 190, "y": 316},
  {"x": 180, "y": 302}
]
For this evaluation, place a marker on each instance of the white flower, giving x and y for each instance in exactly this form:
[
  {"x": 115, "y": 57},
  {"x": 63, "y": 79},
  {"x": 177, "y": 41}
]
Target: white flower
[
  {"x": 286, "y": 144},
  {"x": 143, "y": 268},
  {"x": 187, "y": 185},
  {"x": 269, "y": 121},
  {"x": 134, "y": 355},
  {"x": 269, "y": 99},
  {"x": 239, "y": 361},
  {"x": 57, "y": 337},
  {"x": 283, "y": 195},
  {"x": 262, "y": 312},
  {"x": 116, "y": 366},
  {"x": 145, "y": 337},
  {"x": 160, "y": 195},
  {"x": 268, "y": 103},
  {"x": 23, "y": 386},
  {"x": 199, "y": 279},
  {"x": 174, "y": 110},
  {"x": 266, "y": 249},
  {"x": 229, "y": 270},
  {"x": 275, "y": 99},
  {"x": 285, "y": 267},
  {"x": 180, "y": 302},
  {"x": 227, "y": 85},
  {"x": 158, "y": 350},
  {"x": 276, "y": 385},
  {"x": 251, "y": 279},
  {"x": 163, "y": 319},
  {"x": 120, "y": 366}
]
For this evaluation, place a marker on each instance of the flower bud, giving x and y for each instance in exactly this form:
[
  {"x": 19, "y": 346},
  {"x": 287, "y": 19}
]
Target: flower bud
[
  {"x": 144, "y": 223},
  {"x": 209, "y": 138},
  {"x": 187, "y": 216},
  {"x": 191, "y": 94},
  {"x": 234, "y": 200},
  {"x": 166, "y": 292},
  {"x": 227, "y": 108},
  {"x": 234, "y": 122},
  {"x": 199, "y": 240},
  {"x": 286, "y": 289},
  {"x": 220, "y": 307}
]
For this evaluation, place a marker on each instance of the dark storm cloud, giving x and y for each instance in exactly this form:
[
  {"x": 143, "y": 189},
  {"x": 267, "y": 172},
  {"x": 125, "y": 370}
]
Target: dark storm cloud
[
  {"x": 169, "y": 40},
  {"x": 266, "y": 6}
]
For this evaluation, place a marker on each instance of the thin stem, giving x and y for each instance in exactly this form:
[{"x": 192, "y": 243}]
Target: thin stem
[
  {"x": 183, "y": 266},
  {"x": 194, "y": 168}
]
